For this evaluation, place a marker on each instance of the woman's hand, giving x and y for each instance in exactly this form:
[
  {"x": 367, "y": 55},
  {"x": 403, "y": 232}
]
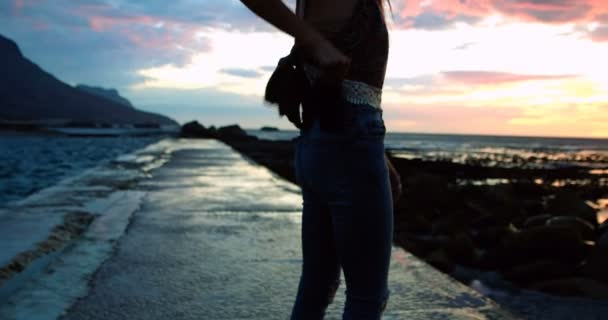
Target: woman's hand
[
  {"x": 316, "y": 48},
  {"x": 333, "y": 63},
  {"x": 395, "y": 179}
]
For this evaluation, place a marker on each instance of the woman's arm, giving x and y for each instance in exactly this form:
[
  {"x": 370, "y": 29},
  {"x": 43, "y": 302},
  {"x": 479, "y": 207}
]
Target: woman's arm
[
  {"x": 279, "y": 15},
  {"x": 315, "y": 46}
]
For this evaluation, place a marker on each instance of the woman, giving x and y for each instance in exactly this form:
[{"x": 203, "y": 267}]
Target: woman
[{"x": 346, "y": 180}]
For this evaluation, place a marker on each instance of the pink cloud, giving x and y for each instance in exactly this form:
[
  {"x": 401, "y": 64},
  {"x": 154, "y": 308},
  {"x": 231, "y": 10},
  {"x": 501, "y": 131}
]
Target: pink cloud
[
  {"x": 143, "y": 31},
  {"x": 437, "y": 15},
  {"x": 493, "y": 78},
  {"x": 548, "y": 11}
]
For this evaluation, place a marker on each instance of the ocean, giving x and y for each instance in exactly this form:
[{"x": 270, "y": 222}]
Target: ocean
[
  {"x": 29, "y": 163},
  {"x": 505, "y": 151},
  {"x": 32, "y": 163}
]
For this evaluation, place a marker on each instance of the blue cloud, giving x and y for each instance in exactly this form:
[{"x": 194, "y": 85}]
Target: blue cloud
[{"x": 245, "y": 73}]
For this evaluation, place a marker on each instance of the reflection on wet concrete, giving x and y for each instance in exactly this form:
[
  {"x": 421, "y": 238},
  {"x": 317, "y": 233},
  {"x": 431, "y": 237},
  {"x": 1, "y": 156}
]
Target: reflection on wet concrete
[{"x": 217, "y": 237}]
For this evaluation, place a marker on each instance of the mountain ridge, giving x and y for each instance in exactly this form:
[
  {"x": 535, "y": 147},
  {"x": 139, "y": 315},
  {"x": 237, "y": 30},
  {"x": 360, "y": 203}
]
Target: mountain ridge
[
  {"x": 29, "y": 93},
  {"x": 110, "y": 94}
]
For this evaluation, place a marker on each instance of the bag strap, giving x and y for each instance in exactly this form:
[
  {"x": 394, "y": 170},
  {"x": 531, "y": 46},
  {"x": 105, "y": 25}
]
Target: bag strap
[{"x": 300, "y": 5}]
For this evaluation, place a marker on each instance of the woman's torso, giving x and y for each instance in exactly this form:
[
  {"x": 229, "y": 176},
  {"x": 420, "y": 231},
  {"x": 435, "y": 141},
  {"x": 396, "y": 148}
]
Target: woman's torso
[{"x": 357, "y": 28}]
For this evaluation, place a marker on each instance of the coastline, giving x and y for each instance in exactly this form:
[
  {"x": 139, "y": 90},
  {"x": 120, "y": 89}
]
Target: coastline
[
  {"x": 192, "y": 221},
  {"x": 98, "y": 192}
]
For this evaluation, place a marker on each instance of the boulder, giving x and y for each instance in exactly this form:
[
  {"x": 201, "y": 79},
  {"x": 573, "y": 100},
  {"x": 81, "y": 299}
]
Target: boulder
[
  {"x": 567, "y": 203},
  {"x": 602, "y": 229},
  {"x": 487, "y": 221},
  {"x": 538, "y": 271},
  {"x": 492, "y": 237},
  {"x": 428, "y": 189},
  {"x": 602, "y": 242},
  {"x": 586, "y": 230},
  {"x": 493, "y": 259},
  {"x": 596, "y": 265},
  {"x": 440, "y": 260},
  {"x": 574, "y": 286},
  {"x": 536, "y": 221},
  {"x": 416, "y": 223},
  {"x": 555, "y": 243},
  {"x": 233, "y": 132},
  {"x": 460, "y": 248},
  {"x": 194, "y": 129},
  {"x": 419, "y": 246},
  {"x": 449, "y": 225}
]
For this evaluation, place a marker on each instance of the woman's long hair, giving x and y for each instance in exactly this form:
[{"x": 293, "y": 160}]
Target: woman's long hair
[{"x": 381, "y": 4}]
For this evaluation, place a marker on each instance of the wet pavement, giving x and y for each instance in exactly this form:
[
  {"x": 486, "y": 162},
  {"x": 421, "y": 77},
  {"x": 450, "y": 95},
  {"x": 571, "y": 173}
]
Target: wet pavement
[{"x": 218, "y": 237}]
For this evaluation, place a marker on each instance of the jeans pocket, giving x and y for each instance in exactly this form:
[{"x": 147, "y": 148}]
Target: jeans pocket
[
  {"x": 370, "y": 122},
  {"x": 375, "y": 128}
]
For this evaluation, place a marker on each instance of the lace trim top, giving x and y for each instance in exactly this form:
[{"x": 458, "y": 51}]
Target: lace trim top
[
  {"x": 356, "y": 92},
  {"x": 364, "y": 39}
]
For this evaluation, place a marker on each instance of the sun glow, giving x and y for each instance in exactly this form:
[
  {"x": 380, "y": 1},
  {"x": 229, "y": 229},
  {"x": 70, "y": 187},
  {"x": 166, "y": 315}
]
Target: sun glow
[
  {"x": 246, "y": 51},
  {"x": 543, "y": 76}
]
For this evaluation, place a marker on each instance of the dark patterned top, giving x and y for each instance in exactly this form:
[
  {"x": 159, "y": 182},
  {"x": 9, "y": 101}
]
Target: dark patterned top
[{"x": 364, "y": 39}]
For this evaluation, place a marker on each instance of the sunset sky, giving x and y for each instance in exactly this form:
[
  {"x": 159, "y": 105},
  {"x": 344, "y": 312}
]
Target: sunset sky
[{"x": 507, "y": 67}]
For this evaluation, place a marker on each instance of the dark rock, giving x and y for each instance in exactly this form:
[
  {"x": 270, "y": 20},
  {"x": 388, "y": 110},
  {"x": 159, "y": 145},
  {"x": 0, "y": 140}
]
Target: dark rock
[
  {"x": 538, "y": 271},
  {"x": 586, "y": 230},
  {"x": 596, "y": 266},
  {"x": 440, "y": 260},
  {"x": 449, "y": 225},
  {"x": 233, "y": 132},
  {"x": 416, "y": 223},
  {"x": 487, "y": 221},
  {"x": 419, "y": 246},
  {"x": 602, "y": 242},
  {"x": 533, "y": 207},
  {"x": 567, "y": 203},
  {"x": 271, "y": 129},
  {"x": 492, "y": 237},
  {"x": 574, "y": 286},
  {"x": 602, "y": 229},
  {"x": 194, "y": 129},
  {"x": 426, "y": 187},
  {"x": 460, "y": 249},
  {"x": 536, "y": 221},
  {"x": 556, "y": 243}
]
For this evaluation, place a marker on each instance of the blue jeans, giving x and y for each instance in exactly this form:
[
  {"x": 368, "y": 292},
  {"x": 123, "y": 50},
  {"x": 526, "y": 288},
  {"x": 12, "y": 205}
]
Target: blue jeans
[{"x": 347, "y": 218}]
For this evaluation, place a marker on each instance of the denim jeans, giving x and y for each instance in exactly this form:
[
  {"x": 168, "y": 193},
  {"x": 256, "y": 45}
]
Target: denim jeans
[{"x": 347, "y": 218}]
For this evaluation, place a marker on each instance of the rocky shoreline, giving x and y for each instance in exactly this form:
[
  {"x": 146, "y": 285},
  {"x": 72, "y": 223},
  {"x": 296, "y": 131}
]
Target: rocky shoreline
[{"x": 538, "y": 231}]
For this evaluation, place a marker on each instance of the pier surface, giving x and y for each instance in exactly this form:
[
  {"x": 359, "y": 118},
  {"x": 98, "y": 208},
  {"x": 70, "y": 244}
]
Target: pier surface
[{"x": 216, "y": 236}]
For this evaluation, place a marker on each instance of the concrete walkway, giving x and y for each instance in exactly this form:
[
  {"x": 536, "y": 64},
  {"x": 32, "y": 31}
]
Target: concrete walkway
[{"x": 218, "y": 237}]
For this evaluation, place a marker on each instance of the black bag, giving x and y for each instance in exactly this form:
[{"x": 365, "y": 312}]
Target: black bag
[
  {"x": 290, "y": 90},
  {"x": 287, "y": 87}
]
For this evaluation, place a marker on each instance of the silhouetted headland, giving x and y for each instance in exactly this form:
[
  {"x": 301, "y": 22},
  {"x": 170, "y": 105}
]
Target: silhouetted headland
[{"x": 32, "y": 99}]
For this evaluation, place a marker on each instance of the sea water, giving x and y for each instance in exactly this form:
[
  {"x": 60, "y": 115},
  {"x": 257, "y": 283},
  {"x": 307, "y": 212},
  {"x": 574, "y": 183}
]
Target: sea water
[
  {"x": 29, "y": 163},
  {"x": 487, "y": 150}
]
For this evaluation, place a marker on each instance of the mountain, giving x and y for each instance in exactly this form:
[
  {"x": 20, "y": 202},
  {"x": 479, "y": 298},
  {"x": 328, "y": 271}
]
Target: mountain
[
  {"x": 28, "y": 93},
  {"x": 110, "y": 94}
]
